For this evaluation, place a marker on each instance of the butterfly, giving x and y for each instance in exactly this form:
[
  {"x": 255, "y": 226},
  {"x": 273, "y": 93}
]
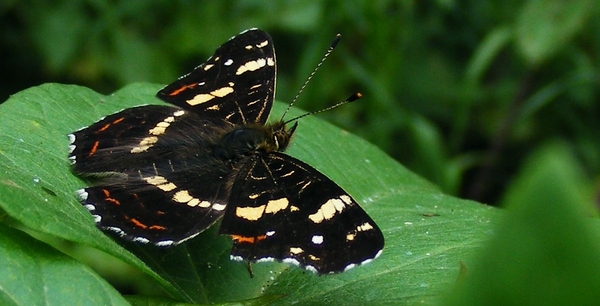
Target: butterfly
[{"x": 167, "y": 173}]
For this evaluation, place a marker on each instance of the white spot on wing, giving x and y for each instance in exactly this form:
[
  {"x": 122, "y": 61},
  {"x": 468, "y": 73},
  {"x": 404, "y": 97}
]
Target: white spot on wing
[
  {"x": 266, "y": 259},
  {"x": 292, "y": 261},
  {"x": 140, "y": 240},
  {"x": 311, "y": 269},
  {"x": 348, "y": 267},
  {"x": 236, "y": 258},
  {"x": 317, "y": 239},
  {"x": 116, "y": 230},
  {"x": 218, "y": 206},
  {"x": 83, "y": 195},
  {"x": 364, "y": 262},
  {"x": 165, "y": 243},
  {"x": 228, "y": 62}
]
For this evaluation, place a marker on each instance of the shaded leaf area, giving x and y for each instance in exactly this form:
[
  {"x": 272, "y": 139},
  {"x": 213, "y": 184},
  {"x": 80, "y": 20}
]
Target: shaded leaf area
[
  {"x": 33, "y": 273},
  {"x": 427, "y": 233}
]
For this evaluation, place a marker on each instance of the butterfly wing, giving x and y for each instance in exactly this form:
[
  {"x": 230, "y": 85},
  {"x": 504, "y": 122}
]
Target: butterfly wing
[
  {"x": 283, "y": 209},
  {"x": 237, "y": 83},
  {"x": 159, "y": 181}
]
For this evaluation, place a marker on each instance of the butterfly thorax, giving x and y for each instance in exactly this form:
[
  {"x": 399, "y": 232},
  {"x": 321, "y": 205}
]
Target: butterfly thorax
[{"x": 252, "y": 139}]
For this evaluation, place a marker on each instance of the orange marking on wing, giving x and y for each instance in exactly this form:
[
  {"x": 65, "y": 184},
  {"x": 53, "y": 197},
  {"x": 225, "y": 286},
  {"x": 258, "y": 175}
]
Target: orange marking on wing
[
  {"x": 113, "y": 200},
  {"x": 106, "y": 192},
  {"x": 94, "y": 148},
  {"x": 182, "y": 88},
  {"x": 102, "y": 129},
  {"x": 157, "y": 227},
  {"x": 244, "y": 239},
  {"x": 138, "y": 223},
  {"x": 118, "y": 120}
]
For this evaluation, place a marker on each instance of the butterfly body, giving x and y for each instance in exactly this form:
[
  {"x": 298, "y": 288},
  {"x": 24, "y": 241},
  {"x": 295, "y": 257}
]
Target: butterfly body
[{"x": 166, "y": 173}]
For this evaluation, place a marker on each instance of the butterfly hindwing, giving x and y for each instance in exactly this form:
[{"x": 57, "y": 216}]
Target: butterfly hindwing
[
  {"x": 151, "y": 210},
  {"x": 237, "y": 83},
  {"x": 283, "y": 209}
]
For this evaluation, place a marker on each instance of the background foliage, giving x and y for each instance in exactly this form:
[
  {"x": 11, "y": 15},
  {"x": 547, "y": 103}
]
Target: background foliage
[{"x": 460, "y": 92}]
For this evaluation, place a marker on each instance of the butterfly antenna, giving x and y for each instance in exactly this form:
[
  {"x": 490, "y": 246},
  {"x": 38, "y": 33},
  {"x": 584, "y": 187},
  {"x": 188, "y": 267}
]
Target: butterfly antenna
[
  {"x": 352, "y": 98},
  {"x": 334, "y": 43}
]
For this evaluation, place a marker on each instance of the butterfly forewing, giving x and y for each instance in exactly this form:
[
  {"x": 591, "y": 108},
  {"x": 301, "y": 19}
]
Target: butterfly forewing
[
  {"x": 124, "y": 140},
  {"x": 237, "y": 83}
]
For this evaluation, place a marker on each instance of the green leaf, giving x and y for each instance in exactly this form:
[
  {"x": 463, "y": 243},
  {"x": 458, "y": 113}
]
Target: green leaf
[
  {"x": 427, "y": 233},
  {"x": 544, "y": 27},
  {"x": 546, "y": 250},
  {"x": 33, "y": 273},
  {"x": 486, "y": 53}
]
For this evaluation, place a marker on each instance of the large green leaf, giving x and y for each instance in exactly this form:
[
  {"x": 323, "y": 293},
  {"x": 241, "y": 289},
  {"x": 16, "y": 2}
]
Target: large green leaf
[
  {"x": 33, "y": 273},
  {"x": 427, "y": 233}
]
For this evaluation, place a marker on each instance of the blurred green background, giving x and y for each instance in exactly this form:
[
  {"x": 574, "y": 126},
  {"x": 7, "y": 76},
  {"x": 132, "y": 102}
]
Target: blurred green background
[{"x": 460, "y": 92}]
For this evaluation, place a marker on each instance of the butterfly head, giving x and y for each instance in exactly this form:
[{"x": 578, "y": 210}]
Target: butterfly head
[{"x": 278, "y": 136}]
